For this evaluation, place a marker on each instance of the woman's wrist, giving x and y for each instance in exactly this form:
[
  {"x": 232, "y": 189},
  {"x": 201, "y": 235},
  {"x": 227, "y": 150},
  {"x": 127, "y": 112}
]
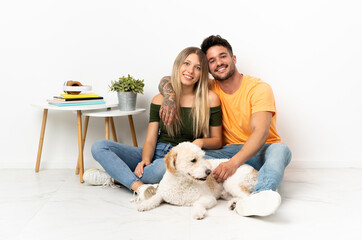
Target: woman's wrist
[
  {"x": 146, "y": 161},
  {"x": 199, "y": 142}
]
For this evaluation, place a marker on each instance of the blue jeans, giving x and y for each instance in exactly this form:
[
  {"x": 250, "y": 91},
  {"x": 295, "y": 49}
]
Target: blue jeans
[
  {"x": 270, "y": 161},
  {"x": 120, "y": 161}
]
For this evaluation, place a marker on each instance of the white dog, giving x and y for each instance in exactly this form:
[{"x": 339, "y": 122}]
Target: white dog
[{"x": 188, "y": 182}]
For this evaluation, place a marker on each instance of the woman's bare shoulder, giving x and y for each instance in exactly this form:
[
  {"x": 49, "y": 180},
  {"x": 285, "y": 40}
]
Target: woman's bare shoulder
[
  {"x": 158, "y": 99},
  {"x": 214, "y": 100}
]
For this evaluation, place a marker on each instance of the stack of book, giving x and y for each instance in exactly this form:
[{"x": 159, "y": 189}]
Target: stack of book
[{"x": 76, "y": 99}]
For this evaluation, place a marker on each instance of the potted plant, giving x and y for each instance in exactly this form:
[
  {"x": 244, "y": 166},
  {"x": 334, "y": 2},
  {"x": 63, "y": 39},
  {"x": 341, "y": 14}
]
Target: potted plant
[{"x": 127, "y": 89}]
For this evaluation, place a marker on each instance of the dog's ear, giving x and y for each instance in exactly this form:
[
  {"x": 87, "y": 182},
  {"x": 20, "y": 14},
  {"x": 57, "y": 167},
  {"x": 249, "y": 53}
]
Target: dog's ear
[{"x": 170, "y": 161}]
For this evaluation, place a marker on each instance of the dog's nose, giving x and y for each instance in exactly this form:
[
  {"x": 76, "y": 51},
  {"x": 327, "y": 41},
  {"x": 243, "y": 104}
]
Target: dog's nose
[{"x": 208, "y": 171}]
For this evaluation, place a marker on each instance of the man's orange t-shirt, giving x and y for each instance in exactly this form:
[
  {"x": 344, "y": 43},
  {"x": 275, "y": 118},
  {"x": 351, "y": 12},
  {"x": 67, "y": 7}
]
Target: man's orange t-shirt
[{"x": 253, "y": 96}]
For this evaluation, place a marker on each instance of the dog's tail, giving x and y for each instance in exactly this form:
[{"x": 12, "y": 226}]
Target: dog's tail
[{"x": 150, "y": 203}]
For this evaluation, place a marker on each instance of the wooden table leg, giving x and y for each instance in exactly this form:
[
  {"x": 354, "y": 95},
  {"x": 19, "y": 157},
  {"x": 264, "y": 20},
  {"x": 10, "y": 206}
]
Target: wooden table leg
[
  {"x": 106, "y": 120},
  {"x": 131, "y": 126},
  {"x": 80, "y": 145},
  {"x": 113, "y": 130},
  {"x": 85, "y": 128},
  {"x": 41, "y": 140}
]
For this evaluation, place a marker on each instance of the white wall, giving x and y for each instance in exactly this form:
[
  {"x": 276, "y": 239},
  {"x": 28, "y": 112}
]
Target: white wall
[{"x": 308, "y": 51}]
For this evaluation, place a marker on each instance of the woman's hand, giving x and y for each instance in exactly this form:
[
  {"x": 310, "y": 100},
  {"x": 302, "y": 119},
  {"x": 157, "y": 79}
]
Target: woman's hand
[
  {"x": 198, "y": 142},
  {"x": 139, "y": 169}
]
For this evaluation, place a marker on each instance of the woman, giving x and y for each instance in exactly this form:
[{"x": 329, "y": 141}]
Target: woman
[{"x": 198, "y": 120}]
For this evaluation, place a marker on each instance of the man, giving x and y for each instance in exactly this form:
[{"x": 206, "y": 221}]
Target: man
[{"x": 249, "y": 127}]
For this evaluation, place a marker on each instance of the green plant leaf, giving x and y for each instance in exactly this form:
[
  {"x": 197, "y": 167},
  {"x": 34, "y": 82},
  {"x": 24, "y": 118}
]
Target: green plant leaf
[{"x": 127, "y": 84}]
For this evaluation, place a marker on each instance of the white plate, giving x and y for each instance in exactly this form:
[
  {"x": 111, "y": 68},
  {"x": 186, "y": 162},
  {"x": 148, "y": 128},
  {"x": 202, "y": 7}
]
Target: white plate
[{"x": 77, "y": 88}]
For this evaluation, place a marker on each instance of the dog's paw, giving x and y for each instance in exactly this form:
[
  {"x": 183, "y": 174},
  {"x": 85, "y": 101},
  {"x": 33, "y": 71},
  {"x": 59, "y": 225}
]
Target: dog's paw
[
  {"x": 198, "y": 213},
  {"x": 143, "y": 207},
  {"x": 232, "y": 203}
]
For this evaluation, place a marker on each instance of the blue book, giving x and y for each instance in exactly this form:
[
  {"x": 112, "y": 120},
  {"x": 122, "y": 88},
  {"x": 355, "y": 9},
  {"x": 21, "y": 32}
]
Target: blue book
[{"x": 77, "y": 103}]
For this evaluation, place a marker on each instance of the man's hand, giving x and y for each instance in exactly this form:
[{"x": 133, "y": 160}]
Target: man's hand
[
  {"x": 224, "y": 171},
  {"x": 167, "y": 111},
  {"x": 168, "y": 107},
  {"x": 139, "y": 169}
]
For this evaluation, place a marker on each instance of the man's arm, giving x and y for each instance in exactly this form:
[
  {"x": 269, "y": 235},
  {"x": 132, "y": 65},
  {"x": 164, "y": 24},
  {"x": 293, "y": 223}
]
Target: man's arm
[
  {"x": 260, "y": 124},
  {"x": 168, "y": 107}
]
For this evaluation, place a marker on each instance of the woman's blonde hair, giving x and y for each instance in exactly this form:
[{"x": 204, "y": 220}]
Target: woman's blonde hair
[{"x": 200, "y": 109}]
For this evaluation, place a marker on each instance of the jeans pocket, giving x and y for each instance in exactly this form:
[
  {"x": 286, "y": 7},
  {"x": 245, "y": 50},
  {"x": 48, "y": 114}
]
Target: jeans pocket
[
  {"x": 167, "y": 148},
  {"x": 162, "y": 149}
]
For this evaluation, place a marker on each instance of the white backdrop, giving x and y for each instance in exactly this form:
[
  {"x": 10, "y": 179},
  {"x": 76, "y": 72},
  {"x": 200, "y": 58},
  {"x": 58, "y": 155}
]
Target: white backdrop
[{"x": 310, "y": 52}]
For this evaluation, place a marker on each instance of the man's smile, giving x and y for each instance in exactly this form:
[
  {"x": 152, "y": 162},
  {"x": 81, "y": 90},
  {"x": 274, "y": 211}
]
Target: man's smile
[{"x": 221, "y": 69}]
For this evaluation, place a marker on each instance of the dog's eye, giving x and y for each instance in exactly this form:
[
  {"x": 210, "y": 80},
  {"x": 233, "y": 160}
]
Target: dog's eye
[{"x": 193, "y": 160}]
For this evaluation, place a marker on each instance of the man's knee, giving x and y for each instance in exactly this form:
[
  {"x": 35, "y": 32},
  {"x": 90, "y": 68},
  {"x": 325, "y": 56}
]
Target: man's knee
[{"x": 281, "y": 151}]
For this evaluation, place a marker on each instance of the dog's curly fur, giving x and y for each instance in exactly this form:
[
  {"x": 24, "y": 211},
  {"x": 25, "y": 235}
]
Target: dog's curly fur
[{"x": 188, "y": 182}]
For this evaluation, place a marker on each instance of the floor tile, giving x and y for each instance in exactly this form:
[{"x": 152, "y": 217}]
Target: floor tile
[{"x": 52, "y": 204}]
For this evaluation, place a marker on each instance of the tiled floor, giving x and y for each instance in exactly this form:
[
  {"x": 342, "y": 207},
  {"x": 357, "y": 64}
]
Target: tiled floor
[{"x": 52, "y": 204}]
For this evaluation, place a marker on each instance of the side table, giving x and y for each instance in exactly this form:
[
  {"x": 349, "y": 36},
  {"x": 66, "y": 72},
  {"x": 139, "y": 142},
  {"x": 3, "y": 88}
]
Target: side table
[
  {"x": 45, "y": 106},
  {"x": 108, "y": 117}
]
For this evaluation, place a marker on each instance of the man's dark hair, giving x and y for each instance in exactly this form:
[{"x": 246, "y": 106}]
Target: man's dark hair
[{"x": 215, "y": 41}]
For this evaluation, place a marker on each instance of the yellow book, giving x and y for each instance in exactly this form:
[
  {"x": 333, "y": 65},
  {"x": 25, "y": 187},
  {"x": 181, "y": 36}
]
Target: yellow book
[{"x": 81, "y": 95}]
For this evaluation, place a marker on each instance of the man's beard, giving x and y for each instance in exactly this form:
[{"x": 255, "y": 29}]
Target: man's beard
[{"x": 227, "y": 76}]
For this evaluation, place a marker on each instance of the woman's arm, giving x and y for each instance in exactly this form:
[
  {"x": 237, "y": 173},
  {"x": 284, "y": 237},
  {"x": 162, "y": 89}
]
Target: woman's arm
[
  {"x": 151, "y": 140},
  {"x": 213, "y": 142},
  {"x": 148, "y": 148},
  {"x": 215, "y": 139}
]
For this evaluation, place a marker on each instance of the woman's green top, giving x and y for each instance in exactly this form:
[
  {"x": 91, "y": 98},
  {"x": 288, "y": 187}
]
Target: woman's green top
[{"x": 187, "y": 132}]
